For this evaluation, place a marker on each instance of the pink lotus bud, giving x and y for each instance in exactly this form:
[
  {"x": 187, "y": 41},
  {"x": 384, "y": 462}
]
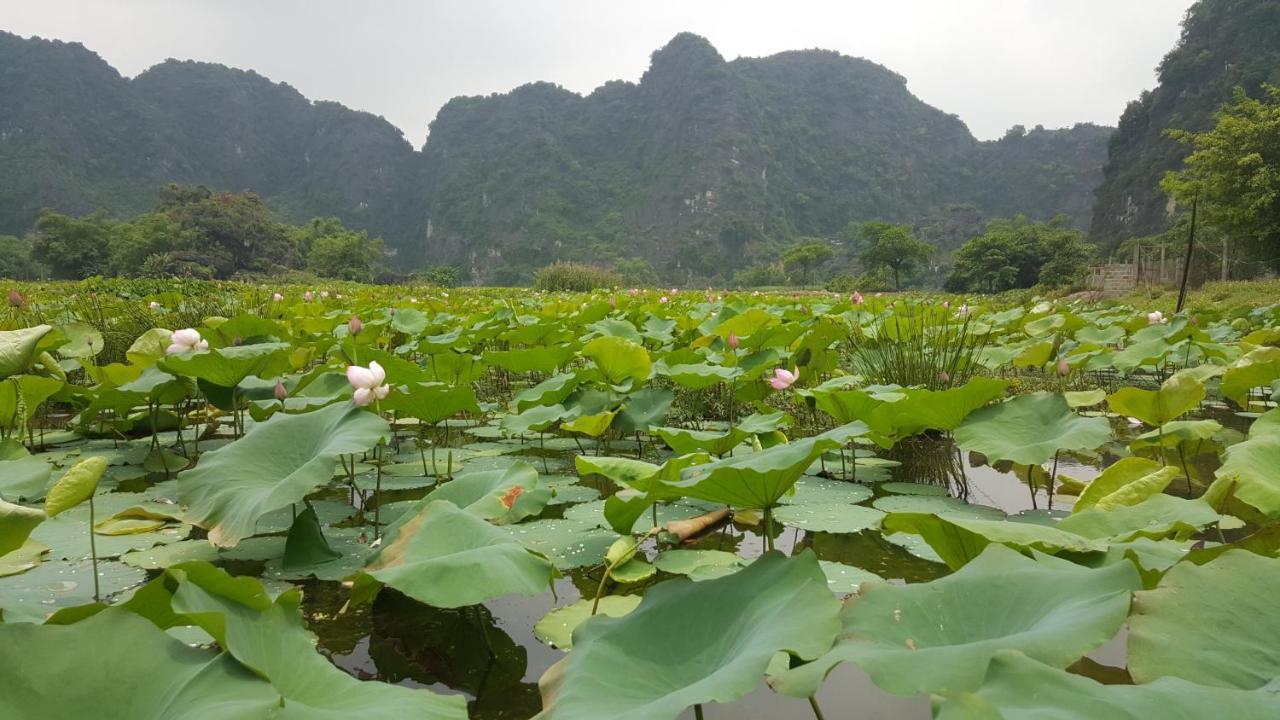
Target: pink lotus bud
[
  {"x": 276, "y": 297},
  {"x": 1195, "y": 320},
  {"x": 308, "y": 296},
  {"x": 946, "y": 303},
  {"x": 1063, "y": 368},
  {"x": 733, "y": 341},
  {"x": 857, "y": 297},
  {"x": 354, "y": 326},
  {"x": 15, "y": 299},
  {"x": 664, "y": 299},
  {"x": 1155, "y": 317},
  {"x": 281, "y": 392},
  {"x": 944, "y": 377}
]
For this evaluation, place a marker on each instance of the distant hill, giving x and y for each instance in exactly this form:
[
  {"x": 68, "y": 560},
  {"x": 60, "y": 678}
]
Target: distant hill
[
  {"x": 1225, "y": 44},
  {"x": 701, "y": 167}
]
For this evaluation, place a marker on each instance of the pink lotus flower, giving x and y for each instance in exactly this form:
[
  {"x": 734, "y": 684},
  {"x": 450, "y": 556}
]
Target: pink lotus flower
[
  {"x": 308, "y": 296},
  {"x": 324, "y": 294},
  {"x": 1155, "y": 317},
  {"x": 153, "y": 305},
  {"x": 946, "y": 303},
  {"x": 1063, "y": 368},
  {"x": 783, "y": 378},
  {"x": 963, "y": 311},
  {"x": 674, "y": 291},
  {"x": 856, "y": 297},
  {"x": 276, "y": 297},
  {"x": 186, "y": 340},
  {"x": 733, "y": 341},
  {"x": 633, "y": 292},
  {"x": 15, "y": 299},
  {"x": 354, "y": 326},
  {"x": 369, "y": 383},
  {"x": 944, "y": 377},
  {"x": 281, "y": 392},
  {"x": 663, "y": 299}
]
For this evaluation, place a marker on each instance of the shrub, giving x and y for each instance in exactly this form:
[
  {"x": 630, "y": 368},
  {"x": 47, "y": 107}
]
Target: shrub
[{"x": 575, "y": 277}]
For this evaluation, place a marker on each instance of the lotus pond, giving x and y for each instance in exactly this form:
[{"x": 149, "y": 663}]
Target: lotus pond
[{"x": 237, "y": 502}]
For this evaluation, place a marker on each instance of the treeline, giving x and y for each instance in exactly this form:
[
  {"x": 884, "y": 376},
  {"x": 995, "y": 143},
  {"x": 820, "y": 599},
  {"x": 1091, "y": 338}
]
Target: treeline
[{"x": 193, "y": 232}]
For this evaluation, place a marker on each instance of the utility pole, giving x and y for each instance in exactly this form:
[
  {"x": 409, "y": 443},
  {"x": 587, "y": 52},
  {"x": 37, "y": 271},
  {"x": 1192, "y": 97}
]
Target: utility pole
[{"x": 1191, "y": 244}]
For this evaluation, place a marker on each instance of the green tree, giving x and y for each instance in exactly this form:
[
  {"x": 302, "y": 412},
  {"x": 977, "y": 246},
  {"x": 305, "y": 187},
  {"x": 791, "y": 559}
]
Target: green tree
[
  {"x": 146, "y": 235},
  {"x": 893, "y": 247},
  {"x": 232, "y": 231},
  {"x": 72, "y": 248},
  {"x": 344, "y": 254},
  {"x": 15, "y": 259},
  {"x": 807, "y": 256},
  {"x": 1235, "y": 172},
  {"x": 1018, "y": 253}
]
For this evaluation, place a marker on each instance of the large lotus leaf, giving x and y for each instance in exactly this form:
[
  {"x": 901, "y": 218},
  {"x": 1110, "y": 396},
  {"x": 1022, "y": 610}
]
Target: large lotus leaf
[
  {"x": 19, "y": 347},
  {"x": 24, "y": 478},
  {"x": 1213, "y": 624},
  {"x": 1258, "y": 368},
  {"x": 619, "y": 359},
  {"x": 433, "y": 402},
  {"x": 75, "y": 486},
  {"x": 16, "y": 524},
  {"x": 273, "y": 466},
  {"x": 690, "y": 643},
  {"x": 1178, "y": 395},
  {"x": 1030, "y": 429},
  {"x": 699, "y": 565},
  {"x": 33, "y": 390},
  {"x": 538, "y": 418},
  {"x": 593, "y": 425},
  {"x": 753, "y": 480},
  {"x": 490, "y": 494},
  {"x": 1019, "y": 688},
  {"x": 538, "y": 359},
  {"x": 23, "y": 559},
  {"x": 939, "y": 636},
  {"x": 922, "y": 409},
  {"x": 1251, "y": 467},
  {"x": 698, "y": 376},
  {"x": 228, "y": 367},
  {"x": 810, "y": 490},
  {"x": 958, "y": 539},
  {"x": 685, "y": 441},
  {"x": 1175, "y": 432},
  {"x": 829, "y": 517},
  {"x": 273, "y": 643},
  {"x": 135, "y": 671},
  {"x": 568, "y": 543},
  {"x": 1139, "y": 490},
  {"x": 551, "y": 391},
  {"x": 556, "y": 627},
  {"x": 446, "y": 557},
  {"x": 1115, "y": 476},
  {"x": 1156, "y": 517},
  {"x": 644, "y": 409}
]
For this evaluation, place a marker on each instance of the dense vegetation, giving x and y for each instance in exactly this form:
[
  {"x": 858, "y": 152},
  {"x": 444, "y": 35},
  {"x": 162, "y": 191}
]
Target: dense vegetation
[
  {"x": 1225, "y": 45},
  {"x": 340, "y": 500},
  {"x": 702, "y": 168},
  {"x": 193, "y": 232}
]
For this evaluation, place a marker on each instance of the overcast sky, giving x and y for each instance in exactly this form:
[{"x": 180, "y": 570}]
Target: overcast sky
[{"x": 995, "y": 63}]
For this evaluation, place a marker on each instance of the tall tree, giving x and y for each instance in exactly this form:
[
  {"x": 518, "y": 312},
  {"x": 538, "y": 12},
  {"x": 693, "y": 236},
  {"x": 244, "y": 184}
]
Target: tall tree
[
  {"x": 1234, "y": 172},
  {"x": 894, "y": 247},
  {"x": 805, "y": 257},
  {"x": 72, "y": 248}
]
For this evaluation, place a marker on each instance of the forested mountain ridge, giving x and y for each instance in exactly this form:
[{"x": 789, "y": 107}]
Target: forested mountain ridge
[
  {"x": 702, "y": 166},
  {"x": 1225, "y": 44}
]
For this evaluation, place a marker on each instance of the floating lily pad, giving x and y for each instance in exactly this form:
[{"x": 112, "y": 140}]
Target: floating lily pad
[
  {"x": 569, "y": 543},
  {"x": 844, "y": 579},
  {"x": 811, "y": 490},
  {"x": 556, "y": 627},
  {"x": 937, "y": 505},
  {"x": 699, "y": 564},
  {"x": 58, "y": 584},
  {"x": 829, "y": 517},
  {"x": 907, "y": 488}
]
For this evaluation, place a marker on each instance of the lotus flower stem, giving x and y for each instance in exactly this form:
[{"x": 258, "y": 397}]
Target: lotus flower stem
[
  {"x": 768, "y": 529},
  {"x": 697, "y": 712},
  {"x": 817, "y": 710},
  {"x": 93, "y": 553}
]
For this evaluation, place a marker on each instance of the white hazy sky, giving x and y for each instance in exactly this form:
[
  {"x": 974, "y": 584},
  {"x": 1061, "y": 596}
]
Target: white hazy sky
[{"x": 995, "y": 63}]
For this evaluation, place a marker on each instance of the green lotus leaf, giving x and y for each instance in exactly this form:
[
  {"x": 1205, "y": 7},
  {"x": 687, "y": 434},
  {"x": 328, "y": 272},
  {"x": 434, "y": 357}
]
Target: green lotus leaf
[
  {"x": 933, "y": 504},
  {"x": 1176, "y": 432},
  {"x": 538, "y": 418},
  {"x": 1138, "y": 489},
  {"x": 619, "y": 359},
  {"x": 910, "y": 488},
  {"x": 809, "y": 490},
  {"x": 409, "y": 321},
  {"x": 699, "y": 376},
  {"x": 593, "y": 425},
  {"x": 957, "y": 540},
  {"x": 149, "y": 347},
  {"x": 552, "y": 391},
  {"x": 845, "y": 579},
  {"x": 544, "y": 360},
  {"x": 939, "y": 636},
  {"x": 1249, "y": 468},
  {"x": 568, "y": 543},
  {"x": 275, "y": 465},
  {"x": 75, "y": 486},
  {"x": 23, "y": 559},
  {"x": 685, "y": 441},
  {"x": 1258, "y": 368},
  {"x": 484, "y": 493},
  {"x": 644, "y": 409},
  {"x": 1156, "y": 517},
  {"x": 228, "y": 367},
  {"x": 1221, "y": 613},
  {"x": 16, "y": 524},
  {"x": 24, "y": 478},
  {"x": 1030, "y": 429},
  {"x": 1115, "y": 476},
  {"x": 19, "y": 347},
  {"x": 717, "y": 638},
  {"x": 306, "y": 544},
  {"x": 829, "y": 517},
  {"x": 1085, "y": 398},
  {"x": 1178, "y": 395},
  {"x": 753, "y": 480},
  {"x": 446, "y": 557},
  {"x": 699, "y": 565},
  {"x": 33, "y": 389},
  {"x": 431, "y": 402},
  {"x": 1004, "y": 696},
  {"x": 556, "y": 627}
]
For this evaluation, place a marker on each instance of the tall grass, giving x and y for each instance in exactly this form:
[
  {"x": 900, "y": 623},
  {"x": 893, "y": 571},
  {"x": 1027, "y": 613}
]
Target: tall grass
[{"x": 919, "y": 344}]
